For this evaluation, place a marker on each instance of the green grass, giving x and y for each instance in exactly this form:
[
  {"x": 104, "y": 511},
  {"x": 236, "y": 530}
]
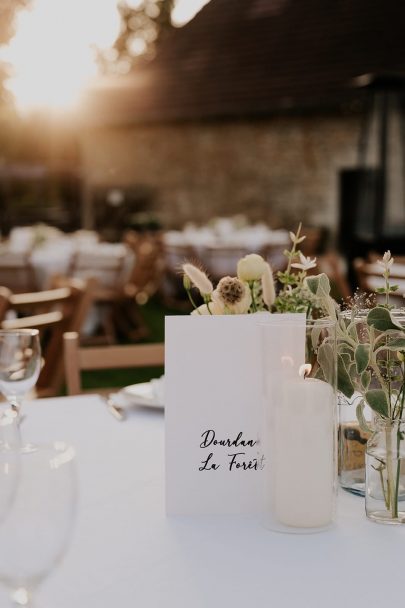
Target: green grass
[{"x": 154, "y": 314}]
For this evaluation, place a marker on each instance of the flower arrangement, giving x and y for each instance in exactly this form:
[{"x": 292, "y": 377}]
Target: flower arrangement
[
  {"x": 370, "y": 352},
  {"x": 371, "y": 356},
  {"x": 253, "y": 289}
]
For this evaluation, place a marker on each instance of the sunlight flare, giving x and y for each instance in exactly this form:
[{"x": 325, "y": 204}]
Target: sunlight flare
[{"x": 52, "y": 55}]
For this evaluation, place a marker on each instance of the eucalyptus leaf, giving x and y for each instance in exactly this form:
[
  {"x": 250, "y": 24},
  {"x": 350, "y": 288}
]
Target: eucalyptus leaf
[
  {"x": 312, "y": 284},
  {"x": 319, "y": 374},
  {"x": 380, "y": 318},
  {"x": 315, "y": 334},
  {"x": 365, "y": 380},
  {"x": 345, "y": 349},
  {"x": 352, "y": 331},
  {"x": 360, "y": 417},
  {"x": 319, "y": 285},
  {"x": 345, "y": 384},
  {"x": 342, "y": 324},
  {"x": 397, "y": 344},
  {"x": 362, "y": 357},
  {"x": 377, "y": 400},
  {"x": 324, "y": 285},
  {"x": 347, "y": 359},
  {"x": 352, "y": 371},
  {"x": 326, "y": 360}
]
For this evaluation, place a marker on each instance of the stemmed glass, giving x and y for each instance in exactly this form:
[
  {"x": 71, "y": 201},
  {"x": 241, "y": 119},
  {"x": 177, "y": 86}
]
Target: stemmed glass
[
  {"x": 20, "y": 364},
  {"x": 9, "y": 461},
  {"x": 36, "y": 531}
]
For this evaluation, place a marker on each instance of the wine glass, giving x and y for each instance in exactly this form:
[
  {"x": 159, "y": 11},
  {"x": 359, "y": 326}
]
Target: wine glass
[
  {"x": 35, "y": 534},
  {"x": 20, "y": 364}
]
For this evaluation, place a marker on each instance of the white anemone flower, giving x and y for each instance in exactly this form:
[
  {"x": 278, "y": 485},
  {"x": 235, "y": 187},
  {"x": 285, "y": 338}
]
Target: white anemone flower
[{"x": 305, "y": 263}]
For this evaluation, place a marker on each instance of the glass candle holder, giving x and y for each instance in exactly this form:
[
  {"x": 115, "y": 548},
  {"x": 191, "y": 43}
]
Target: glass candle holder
[{"x": 299, "y": 430}]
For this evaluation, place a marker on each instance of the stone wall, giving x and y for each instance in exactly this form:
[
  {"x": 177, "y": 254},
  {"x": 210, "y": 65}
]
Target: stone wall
[{"x": 280, "y": 170}]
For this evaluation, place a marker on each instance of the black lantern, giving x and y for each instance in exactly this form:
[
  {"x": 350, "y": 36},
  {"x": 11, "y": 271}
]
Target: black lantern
[{"x": 372, "y": 195}]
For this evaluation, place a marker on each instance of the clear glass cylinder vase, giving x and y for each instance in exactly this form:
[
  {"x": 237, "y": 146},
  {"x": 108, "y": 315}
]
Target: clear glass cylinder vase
[
  {"x": 385, "y": 472},
  {"x": 352, "y": 445},
  {"x": 353, "y": 437},
  {"x": 299, "y": 430}
]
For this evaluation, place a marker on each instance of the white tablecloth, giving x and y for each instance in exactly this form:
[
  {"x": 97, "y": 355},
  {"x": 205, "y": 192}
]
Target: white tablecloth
[
  {"x": 126, "y": 553},
  {"x": 56, "y": 258}
]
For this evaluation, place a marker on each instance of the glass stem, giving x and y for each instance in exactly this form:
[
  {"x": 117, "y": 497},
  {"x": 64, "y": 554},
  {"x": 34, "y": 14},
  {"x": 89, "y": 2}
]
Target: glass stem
[{"x": 15, "y": 403}]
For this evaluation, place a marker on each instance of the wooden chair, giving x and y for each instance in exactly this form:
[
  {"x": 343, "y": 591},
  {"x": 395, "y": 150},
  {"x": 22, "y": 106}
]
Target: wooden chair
[
  {"x": 53, "y": 312},
  {"x": 16, "y": 272},
  {"x": 333, "y": 265},
  {"x": 312, "y": 244},
  {"x": 369, "y": 277},
  {"x": 222, "y": 261},
  {"x": 105, "y": 357},
  {"x": 145, "y": 278},
  {"x": 172, "y": 290},
  {"x": 5, "y": 295},
  {"x": 109, "y": 269},
  {"x": 142, "y": 283}
]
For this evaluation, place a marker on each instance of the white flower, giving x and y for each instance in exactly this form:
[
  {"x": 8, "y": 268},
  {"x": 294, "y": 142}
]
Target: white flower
[
  {"x": 215, "y": 308},
  {"x": 251, "y": 267},
  {"x": 268, "y": 289},
  {"x": 305, "y": 263},
  {"x": 387, "y": 260},
  {"x": 199, "y": 279},
  {"x": 233, "y": 295}
]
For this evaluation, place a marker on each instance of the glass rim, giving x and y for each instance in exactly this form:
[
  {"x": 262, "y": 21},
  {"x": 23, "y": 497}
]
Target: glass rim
[
  {"x": 361, "y": 313},
  {"x": 61, "y": 450},
  {"x": 19, "y": 332},
  {"x": 321, "y": 322}
]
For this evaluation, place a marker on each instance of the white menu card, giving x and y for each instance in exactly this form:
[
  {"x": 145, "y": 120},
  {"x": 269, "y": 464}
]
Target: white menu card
[{"x": 213, "y": 394}]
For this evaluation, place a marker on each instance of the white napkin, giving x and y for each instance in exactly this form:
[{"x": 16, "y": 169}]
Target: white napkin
[{"x": 148, "y": 394}]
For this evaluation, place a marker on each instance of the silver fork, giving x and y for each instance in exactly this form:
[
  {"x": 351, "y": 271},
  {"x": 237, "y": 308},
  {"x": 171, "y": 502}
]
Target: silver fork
[{"x": 115, "y": 410}]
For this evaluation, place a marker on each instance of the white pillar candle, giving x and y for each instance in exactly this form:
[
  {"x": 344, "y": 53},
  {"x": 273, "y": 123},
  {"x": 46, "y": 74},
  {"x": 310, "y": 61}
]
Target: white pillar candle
[{"x": 302, "y": 457}]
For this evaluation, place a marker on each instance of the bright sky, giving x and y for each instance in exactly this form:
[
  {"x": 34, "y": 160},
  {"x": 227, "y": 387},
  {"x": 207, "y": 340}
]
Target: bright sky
[{"x": 52, "y": 53}]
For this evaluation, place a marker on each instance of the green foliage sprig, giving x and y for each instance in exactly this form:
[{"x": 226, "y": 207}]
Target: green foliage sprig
[
  {"x": 372, "y": 356},
  {"x": 294, "y": 295}
]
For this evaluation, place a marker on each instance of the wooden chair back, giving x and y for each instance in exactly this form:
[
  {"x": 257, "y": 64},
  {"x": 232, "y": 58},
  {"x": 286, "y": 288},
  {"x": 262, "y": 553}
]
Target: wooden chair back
[
  {"x": 369, "y": 277},
  {"x": 107, "y": 268},
  {"x": 312, "y": 244},
  {"x": 105, "y": 357},
  {"x": 53, "y": 312},
  {"x": 145, "y": 278},
  {"x": 172, "y": 289},
  {"x": 5, "y": 295},
  {"x": 222, "y": 261},
  {"x": 333, "y": 265},
  {"x": 16, "y": 272}
]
